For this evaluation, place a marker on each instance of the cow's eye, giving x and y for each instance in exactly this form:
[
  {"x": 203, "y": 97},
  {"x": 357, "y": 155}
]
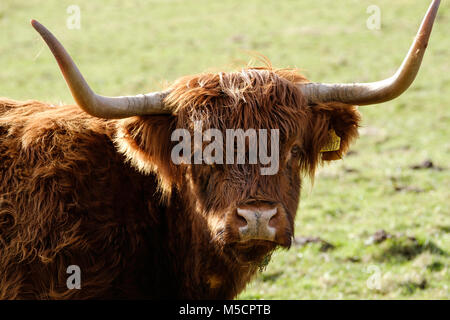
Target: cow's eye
[{"x": 295, "y": 151}]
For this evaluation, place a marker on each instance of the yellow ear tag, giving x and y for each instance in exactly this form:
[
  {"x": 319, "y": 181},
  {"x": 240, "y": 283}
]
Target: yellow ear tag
[{"x": 334, "y": 142}]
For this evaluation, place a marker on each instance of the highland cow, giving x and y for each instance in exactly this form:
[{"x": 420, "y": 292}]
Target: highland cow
[{"x": 94, "y": 185}]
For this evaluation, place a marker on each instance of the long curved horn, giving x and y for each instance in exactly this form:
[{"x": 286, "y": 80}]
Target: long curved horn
[
  {"x": 89, "y": 101},
  {"x": 381, "y": 91}
]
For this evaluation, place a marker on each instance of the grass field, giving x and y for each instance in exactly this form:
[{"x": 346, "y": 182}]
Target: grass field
[{"x": 397, "y": 177}]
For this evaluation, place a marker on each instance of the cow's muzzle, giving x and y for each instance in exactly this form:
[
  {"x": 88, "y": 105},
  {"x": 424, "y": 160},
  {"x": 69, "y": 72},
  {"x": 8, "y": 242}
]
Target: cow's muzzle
[{"x": 262, "y": 221}]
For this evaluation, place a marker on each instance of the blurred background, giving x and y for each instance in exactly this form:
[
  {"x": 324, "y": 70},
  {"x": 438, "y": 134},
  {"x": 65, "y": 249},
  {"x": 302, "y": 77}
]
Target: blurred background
[{"x": 375, "y": 224}]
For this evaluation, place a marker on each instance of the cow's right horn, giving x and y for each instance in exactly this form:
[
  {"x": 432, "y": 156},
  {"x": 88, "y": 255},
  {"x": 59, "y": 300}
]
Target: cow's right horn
[
  {"x": 380, "y": 91},
  {"x": 89, "y": 101}
]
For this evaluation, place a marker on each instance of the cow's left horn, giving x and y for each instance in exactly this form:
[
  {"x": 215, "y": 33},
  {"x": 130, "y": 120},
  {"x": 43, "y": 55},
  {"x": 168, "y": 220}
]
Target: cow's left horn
[
  {"x": 89, "y": 101},
  {"x": 381, "y": 91}
]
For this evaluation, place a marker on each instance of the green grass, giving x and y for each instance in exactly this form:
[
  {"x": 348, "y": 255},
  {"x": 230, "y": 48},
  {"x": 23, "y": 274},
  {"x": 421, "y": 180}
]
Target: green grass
[{"x": 126, "y": 47}]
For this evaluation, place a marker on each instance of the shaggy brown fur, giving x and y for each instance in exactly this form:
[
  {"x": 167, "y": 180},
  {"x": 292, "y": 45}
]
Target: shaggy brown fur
[{"x": 105, "y": 195}]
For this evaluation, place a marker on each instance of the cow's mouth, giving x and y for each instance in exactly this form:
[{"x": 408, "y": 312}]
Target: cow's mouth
[{"x": 250, "y": 252}]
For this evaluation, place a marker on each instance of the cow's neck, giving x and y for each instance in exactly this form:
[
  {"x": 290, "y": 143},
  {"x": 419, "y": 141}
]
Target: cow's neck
[{"x": 191, "y": 245}]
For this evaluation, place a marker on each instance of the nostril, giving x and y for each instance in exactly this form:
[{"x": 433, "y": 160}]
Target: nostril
[
  {"x": 273, "y": 221},
  {"x": 240, "y": 220}
]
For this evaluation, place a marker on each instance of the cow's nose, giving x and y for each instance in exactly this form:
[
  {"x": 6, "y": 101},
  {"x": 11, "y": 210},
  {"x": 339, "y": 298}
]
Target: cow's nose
[{"x": 258, "y": 224}]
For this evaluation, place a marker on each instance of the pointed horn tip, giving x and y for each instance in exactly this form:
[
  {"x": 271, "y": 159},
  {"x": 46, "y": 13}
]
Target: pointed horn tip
[
  {"x": 37, "y": 26},
  {"x": 34, "y": 23},
  {"x": 40, "y": 28}
]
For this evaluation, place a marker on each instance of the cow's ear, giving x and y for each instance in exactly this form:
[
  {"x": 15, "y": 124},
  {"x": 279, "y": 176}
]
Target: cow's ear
[
  {"x": 146, "y": 143},
  {"x": 333, "y": 128}
]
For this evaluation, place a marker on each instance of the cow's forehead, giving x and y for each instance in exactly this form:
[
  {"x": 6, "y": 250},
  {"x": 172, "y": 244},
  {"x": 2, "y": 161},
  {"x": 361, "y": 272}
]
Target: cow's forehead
[{"x": 254, "y": 98}]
